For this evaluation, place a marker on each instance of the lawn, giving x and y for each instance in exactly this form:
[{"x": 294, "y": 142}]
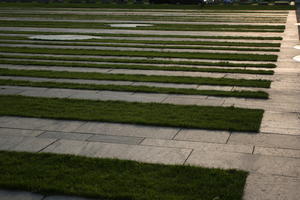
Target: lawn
[
  {"x": 136, "y": 78},
  {"x": 151, "y": 54},
  {"x": 128, "y": 66},
  {"x": 68, "y": 4},
  {"x": 114, "y": 179},
  {"x": 166, "y": 27},
  {"x": 128, "y": 60},
  {"x": 143, "y": 89},
  {"x": 156, "y": 114}
]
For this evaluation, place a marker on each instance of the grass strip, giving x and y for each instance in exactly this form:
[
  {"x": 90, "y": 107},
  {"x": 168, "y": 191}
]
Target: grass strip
[
  {"x": 137, "y": 78},
  {"x": 145, "y": 6},
  {"x": 138, "y": 45},
  {"x": 114, "y": 179},
  {"x": 191, "y": 55},
  {"x": 143, "y": 89},
  {"x": 147, "y": 35},
  {"x": 167, "y": 27},
  {"x": 204, "y": 18},
  {"x": 157, "y": 114},
  {"x": 144, "y": 61},
  {"x": 142, "y": 67}
]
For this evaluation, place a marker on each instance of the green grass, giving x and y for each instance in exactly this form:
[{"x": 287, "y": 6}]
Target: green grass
[
  {"x": 157, "y": 114},
  {"x": 138, "y": 45},
  {"x": 167, "y": 27},
  {"x": 142, "y": 67},
  {"x": 137, "y": 78},
  {"x": 145, "y": 6},
  {"x": 144, "y": 61},
  {"x": 144, "y": 89},
  {"x": 204, "y": 18},
  {"x": 114, "y": 179},
  {"x": 146, "y": 35},
  {"x": 191, "y": 55}
]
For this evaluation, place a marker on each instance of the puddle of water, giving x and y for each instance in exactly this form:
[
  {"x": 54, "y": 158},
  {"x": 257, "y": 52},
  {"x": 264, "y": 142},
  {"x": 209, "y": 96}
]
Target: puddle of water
[
  {"x": 129, "y": 25},
  {"x": 297, "y": 58},
  {"x": 63, "y": 37}
]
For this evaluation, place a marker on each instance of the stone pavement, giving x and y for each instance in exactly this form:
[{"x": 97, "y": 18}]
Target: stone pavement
[{"x": 272, "y": 156}]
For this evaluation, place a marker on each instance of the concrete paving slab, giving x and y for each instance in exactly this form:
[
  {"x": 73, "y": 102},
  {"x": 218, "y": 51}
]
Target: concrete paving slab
[
  {"x": 39, "y": 124},
  {"x": 199, "y": 145},
  {"x": 65, "y": 135},
  {"x": 17, "y": 143},
  {"x": 19, "y": 132},
  {"x": 266, "y": 187},
  {"x": 277, "y": 152},
  {"x": 193, "y": 101},
  {"x": 128, "y": 130},
  {"x": 66, "y": 147},
  {"x": 255, "y": 163},
  {"x": 149, "y": 32},
  {"x": 19, "y": 195},
  {"x": 91, "y": 95},
  {"x": 120, "y": 151},
  {"x": 10, "y": 91},
  {"x": 59, "y": 93},
  {"x": 203, "y": 136},
  {"x": 138, "y": 153},
  {"x": 266, "y": 140},
  {"x": 116, "y": 139},
  {"x": 33, "y": 144},
  {"x": 65, "y": 198},
  {"x": 281, "y": 123}
]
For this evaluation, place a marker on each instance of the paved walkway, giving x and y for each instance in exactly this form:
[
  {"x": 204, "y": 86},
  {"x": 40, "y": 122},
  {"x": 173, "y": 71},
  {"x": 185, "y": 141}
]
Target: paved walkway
[
  {"x": 148, "y": 32},
  {"x": 272, "y": 156}
]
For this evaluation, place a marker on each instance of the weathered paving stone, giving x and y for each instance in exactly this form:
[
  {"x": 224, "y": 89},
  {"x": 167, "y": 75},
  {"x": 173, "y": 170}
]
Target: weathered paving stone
[
  {"x": 170, "y": 85},
  {"x": 39, "y": 124},
  {"x": 66, "y": 147},
  {"x": 19, "y": 132},
  {"x": 203, "y": 135},
  {"x": 19, "y": 195},
  {"x": 198, "y": 145},
  {"x": 65, "y": 198},
  {"x": 34, "y": 92},
  {"x": 10, "y": 91},
  {"x": 87, "y": 95},
  {"x": 265, "y": 140},
  {"x": 59, "y": 93},
  {"x": 138, "y": 153},
  {"x": 128, "y": 130},
  {"x": 121, "y": 151},
  {"x": 281, "y": 122},
  {"x": 203, "y": 100},
  {"x": 260, "y": 186},
  {"x": 31, "y": 144},
  {"x": 65, "y": 135},
  {"x": 277, "y": 152},
  {"x": 255, "y": 163},
  {"x": 115, "y": 139}
]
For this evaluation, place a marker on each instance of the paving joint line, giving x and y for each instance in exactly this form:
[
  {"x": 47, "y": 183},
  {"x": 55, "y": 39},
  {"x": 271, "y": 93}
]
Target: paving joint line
[
  {"x": 253, "y": 149},
  {"x": 228, "y": 138},
  {"x": 175, "y": 135},
  {"x": 55, "y": 140},
  {"x": 184, "y": 163}
]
